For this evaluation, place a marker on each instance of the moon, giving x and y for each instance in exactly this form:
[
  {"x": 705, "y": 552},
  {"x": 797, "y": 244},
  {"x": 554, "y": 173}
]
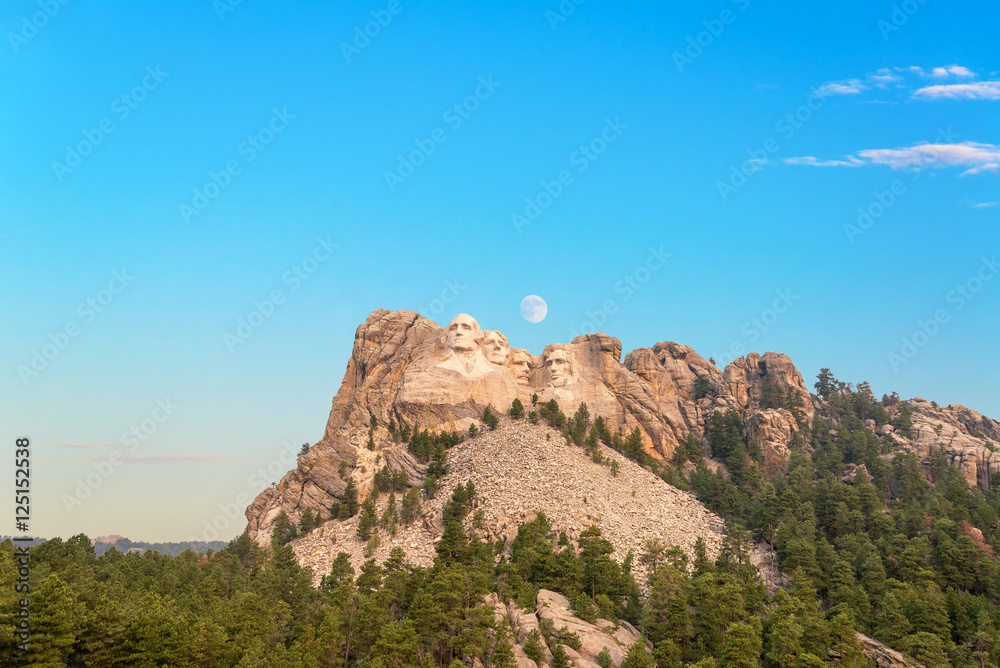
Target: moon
[{"x": 534, "y": 308}]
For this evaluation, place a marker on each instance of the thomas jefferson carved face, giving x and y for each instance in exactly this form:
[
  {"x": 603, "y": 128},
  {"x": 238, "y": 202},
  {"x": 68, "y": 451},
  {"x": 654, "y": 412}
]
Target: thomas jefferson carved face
[
  {"x": 520, "y": 366},
  {"x": 559, "y": 364},
  {"x": 464, "y": 334},
  {"x": 495, "y": 347}
]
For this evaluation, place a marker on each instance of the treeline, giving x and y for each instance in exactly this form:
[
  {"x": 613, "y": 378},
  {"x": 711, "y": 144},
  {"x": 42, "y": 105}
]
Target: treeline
[{"x": 253, "y": 606}]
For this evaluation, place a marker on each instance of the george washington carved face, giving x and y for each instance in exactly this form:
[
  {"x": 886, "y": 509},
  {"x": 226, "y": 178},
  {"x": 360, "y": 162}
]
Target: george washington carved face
[
  {"x": 464, "y": 334},
  {"x": 559, "y": 365}
]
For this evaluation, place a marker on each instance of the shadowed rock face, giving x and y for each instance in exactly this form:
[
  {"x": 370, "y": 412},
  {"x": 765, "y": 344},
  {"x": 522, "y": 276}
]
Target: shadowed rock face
[{"x": 407, "y": 368}]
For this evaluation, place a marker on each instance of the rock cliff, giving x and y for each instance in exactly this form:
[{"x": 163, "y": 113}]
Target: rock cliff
[{"x": 406, "y": 370}]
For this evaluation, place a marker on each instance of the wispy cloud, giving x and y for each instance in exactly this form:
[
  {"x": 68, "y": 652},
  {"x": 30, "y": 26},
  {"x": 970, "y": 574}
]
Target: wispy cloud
[
  {"x": 951, "y": 82},
  {"x": 951, "y": 71},
  {"x": 957, "y": 71},
  {"x": 86, "y": 446},
  {"x": 984, "y": 205},
  {"x": 976, "y": 157},
  {"x": 846, "y": 87},
  {"x": 976, "y": 90},
  {"x": 884, "y": 77},
  {"x": 849, "y": 161},
  {"x": 168, "y": 459}
]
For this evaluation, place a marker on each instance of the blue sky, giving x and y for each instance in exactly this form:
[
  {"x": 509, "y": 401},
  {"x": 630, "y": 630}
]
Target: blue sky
[{"x": 178, "y": 164}]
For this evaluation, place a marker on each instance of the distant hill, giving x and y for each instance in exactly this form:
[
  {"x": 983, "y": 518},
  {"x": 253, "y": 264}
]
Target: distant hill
[{"x": 104, "y": 543}]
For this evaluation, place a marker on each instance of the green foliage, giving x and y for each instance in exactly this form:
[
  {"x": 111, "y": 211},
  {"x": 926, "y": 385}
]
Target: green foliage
[
  {"x": 516, "y": 409},
  {"x": 772, "y": 394},
  {"x": 826, "y": 385},
  {"x": 551, "y": 413},
  {"x": 533, "y": 647},
  {"x": 349, "y": 500},
  {"x": 895, "y": 557},
  {"x": 283, "y": 531},
  {"x": 702, "y": 387},
  {"x": 637, "y": 656},
  {"x": 490, "y": 419},
  {"x": 368, "y": 520}
]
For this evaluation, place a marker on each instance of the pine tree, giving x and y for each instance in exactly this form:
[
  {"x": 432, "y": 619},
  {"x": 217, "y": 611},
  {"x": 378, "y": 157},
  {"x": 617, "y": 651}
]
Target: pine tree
[
  {"x": 368, "y": 520},
  {"x": 350, "y": 498},
  {"x": 743, "y": 647},
  {"x": 516, "y": 409},
  {"x": 283, "y": 530},
  {"x": 637, "y": 656},
  {"x": 826, "y": 384},
  {"x": 54, "y": 622}
]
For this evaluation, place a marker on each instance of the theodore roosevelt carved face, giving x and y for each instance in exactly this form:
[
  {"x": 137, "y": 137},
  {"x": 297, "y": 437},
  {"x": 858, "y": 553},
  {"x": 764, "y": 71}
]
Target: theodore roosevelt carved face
[{"x": 520, "y": 366}]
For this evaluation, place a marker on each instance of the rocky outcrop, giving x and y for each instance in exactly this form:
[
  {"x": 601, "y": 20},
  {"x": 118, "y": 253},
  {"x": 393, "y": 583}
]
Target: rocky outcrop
[
  {"x": 968, "y": 439},
  {"x": 883, "y": 655},
  {"x": 519, "y": 470},
  {"x": 744, "y": 377},
  {"x": 555, "y": 609},
  {"x": 407, "y": 370},
  {"x": 772, "y": 429}
]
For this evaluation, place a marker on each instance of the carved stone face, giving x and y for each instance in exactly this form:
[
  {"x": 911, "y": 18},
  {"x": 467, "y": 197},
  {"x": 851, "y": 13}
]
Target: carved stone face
[
  {"x": 464, "y": 334},
  {"x": 495, "y": 347},
  {"x": 520, "y": 366},
  {"x": 559, "y": 364}
]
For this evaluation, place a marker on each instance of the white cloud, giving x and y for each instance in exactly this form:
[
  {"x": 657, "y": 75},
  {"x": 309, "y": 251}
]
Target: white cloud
[
  {"x": 850, "y": 161},
  {"x": 952, "y": 70},
  {"x": 847, "y": 87},
  {"x": 977, "y": 90},
  {"x": 984, "y": 205},
  {"x": 179, "y": 458},
  {"x": 977, "y": 158},
  {"x": 883, "y": 77}
]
